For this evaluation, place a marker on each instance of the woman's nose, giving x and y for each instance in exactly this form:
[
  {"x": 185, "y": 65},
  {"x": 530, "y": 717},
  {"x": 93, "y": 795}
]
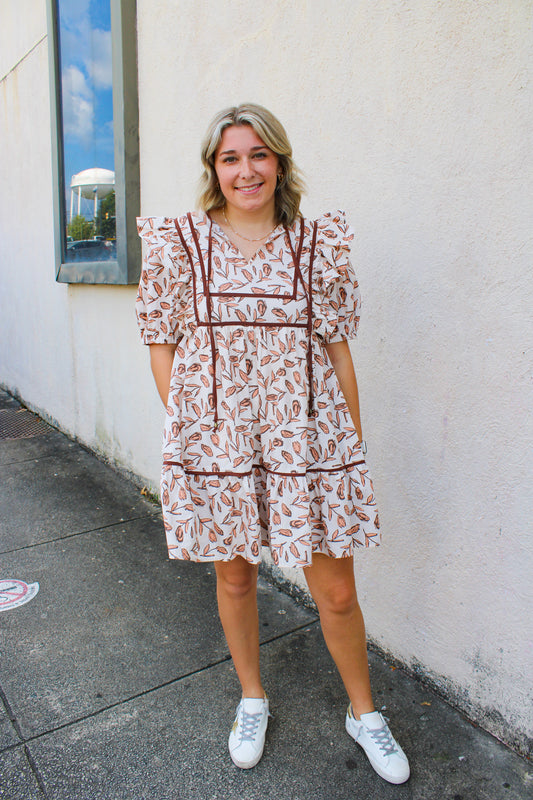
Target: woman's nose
[{"x": 247, "y": 168}]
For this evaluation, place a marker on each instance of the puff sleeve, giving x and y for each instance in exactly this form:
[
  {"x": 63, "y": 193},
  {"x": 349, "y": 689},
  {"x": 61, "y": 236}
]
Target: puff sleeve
[
  {"x": 162, "y": 299},
  {"x": 336, "y": 289}
]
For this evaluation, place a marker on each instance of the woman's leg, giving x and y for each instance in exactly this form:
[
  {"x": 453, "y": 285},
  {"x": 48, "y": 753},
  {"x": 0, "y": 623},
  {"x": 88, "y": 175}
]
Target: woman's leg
[
  {"x": 332, "y": 584},
  {"x": 237, "y": 607}
]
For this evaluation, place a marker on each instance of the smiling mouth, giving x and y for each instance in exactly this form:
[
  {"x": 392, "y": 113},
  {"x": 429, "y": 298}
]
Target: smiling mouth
[{"x": 249, "y": 189}]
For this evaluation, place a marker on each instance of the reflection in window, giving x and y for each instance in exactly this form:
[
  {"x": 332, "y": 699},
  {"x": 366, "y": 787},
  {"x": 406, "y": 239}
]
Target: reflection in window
[
  {"x": 95, "y": 140},
  {"x": 84, "y": 37}
]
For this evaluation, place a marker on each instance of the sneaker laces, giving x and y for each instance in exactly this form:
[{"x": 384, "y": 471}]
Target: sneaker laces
[
  {"x": 249, "y": 725},
  {"x": 384, "y": 739}
]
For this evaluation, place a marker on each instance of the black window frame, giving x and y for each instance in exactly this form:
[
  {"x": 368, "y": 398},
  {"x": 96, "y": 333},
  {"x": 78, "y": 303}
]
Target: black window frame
[{"x": 125, "y": 268}]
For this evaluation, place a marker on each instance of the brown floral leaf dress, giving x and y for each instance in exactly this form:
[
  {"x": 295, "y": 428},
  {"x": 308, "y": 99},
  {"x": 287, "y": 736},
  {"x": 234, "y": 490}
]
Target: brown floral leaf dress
[{"x": 259, "y": 446}]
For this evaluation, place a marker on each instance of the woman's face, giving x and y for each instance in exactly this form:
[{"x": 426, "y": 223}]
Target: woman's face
[{"x": 247, "y": 170}]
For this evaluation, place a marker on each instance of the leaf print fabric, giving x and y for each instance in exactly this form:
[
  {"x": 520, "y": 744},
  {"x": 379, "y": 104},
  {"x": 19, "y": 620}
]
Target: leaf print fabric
[{"x": 244, "y": 462}]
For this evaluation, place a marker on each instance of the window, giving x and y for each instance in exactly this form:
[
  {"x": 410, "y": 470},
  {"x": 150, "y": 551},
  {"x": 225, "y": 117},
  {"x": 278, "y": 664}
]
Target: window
[{"x": 93, "y": 67}]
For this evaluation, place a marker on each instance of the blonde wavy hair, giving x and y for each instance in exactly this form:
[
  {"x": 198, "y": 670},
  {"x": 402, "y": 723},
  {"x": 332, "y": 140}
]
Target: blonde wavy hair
[{"x": 290, "y": 187}]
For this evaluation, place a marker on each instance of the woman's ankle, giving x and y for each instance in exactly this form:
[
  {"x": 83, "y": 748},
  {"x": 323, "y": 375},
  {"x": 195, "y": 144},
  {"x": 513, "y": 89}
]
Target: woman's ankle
[{"x": 253, "y": 691}]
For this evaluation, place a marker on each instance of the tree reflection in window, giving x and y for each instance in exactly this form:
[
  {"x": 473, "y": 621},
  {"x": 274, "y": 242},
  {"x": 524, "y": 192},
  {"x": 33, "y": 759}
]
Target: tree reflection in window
[{"x": 84, "y": 34}]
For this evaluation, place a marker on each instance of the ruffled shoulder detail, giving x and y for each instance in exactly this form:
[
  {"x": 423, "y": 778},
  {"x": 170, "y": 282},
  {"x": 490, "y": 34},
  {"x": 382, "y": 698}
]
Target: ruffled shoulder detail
[
  {"x": 164, "y": 298},
  {"x": 334, "y": 238},
  {"x": 334, "y": 230},
  {"x": 336, "y": 285},
  {"x": 155, "y": 229},
  {"x": 164, "y": 248}
]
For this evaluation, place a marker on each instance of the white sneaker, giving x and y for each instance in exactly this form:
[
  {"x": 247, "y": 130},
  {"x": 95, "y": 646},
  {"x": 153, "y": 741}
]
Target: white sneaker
[
  {"x": 383, "y": 752},
  {"x": 247, "y": 737}
]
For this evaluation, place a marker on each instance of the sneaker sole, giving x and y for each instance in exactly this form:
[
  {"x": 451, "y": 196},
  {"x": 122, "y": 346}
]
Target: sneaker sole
[
  {"x": 247, "y": 764},
  {"x": 375, "y": 766}
]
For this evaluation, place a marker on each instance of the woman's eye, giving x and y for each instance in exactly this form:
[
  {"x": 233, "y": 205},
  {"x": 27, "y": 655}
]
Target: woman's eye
[
  {"x": 260, "y": 155},
  {"x": 228, "y": 160}
]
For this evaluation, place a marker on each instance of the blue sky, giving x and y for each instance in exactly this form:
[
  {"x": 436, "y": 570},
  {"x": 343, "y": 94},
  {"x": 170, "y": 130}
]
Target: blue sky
[{"x": 85, "y": 42}]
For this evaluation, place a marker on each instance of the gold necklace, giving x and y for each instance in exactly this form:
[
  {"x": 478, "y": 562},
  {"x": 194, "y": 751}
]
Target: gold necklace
[{"x": 246, "y": 239}]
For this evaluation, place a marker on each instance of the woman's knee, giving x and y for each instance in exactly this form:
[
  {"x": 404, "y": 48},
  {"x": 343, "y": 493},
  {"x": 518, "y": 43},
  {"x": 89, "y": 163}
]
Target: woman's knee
[
  {"x": 339, "y": 597},
  {"x": 237, "y": 577},
  {"x": 332, "y": 584}
]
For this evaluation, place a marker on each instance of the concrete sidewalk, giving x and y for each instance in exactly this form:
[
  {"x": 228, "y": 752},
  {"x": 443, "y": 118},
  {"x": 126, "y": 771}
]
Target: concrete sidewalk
[{"x": 115, "y": 681}]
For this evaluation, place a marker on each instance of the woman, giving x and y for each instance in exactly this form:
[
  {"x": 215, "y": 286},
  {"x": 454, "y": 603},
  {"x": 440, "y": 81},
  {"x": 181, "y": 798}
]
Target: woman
[{"x": 247, "y": 309}]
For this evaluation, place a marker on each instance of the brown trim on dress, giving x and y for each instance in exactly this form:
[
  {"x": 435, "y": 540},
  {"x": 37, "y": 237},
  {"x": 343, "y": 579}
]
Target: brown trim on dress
[
  {"x": 189, "y": 256},
  {"x": 296, "y": 258},
  {"x": 206, "y": 278},
  {"x": 310, "y": 408},
  {"x": 208, "y": 294},
  {"x": 254, "y": 324},
  {"x": 223, "y": 474},
  {"x": 297, "y": 272},
  {"x": 253, "y": 294}
]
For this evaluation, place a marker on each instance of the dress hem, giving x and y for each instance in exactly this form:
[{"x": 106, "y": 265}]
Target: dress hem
[{"x": 256, "y": 560}]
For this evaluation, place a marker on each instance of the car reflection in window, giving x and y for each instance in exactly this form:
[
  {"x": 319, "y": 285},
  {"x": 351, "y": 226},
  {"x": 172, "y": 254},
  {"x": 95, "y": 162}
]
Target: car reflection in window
[{"x": 91, "y": 250}]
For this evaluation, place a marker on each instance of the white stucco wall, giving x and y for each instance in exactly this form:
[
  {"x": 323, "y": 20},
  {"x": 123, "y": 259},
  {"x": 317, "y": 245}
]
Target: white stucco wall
[
  {"x": 416, "y": 118},
  {"x": 71, "y": 352}
]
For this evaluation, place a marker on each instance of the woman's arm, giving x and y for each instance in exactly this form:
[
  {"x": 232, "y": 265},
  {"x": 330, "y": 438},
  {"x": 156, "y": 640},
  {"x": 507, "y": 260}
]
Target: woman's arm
[
  {"x": 161, "y": 358},
  {"x": 341, "y": 359}
]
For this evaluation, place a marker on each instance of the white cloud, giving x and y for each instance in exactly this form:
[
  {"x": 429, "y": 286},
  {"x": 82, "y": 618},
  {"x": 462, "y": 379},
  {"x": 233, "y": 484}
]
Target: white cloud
[
  {"x": 87, "y": 77},
  {"x": 99, "y": 64},
  {"x": 75, "y": 12},
  {"x": 75, "y": 82},
  {"x": 78, "y": 106}
]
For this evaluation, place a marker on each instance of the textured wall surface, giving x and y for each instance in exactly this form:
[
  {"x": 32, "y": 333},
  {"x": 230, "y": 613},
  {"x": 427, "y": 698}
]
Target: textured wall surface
[
  {"x": 71, "y": 352},
  {"x": 416, "y": 118}
]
